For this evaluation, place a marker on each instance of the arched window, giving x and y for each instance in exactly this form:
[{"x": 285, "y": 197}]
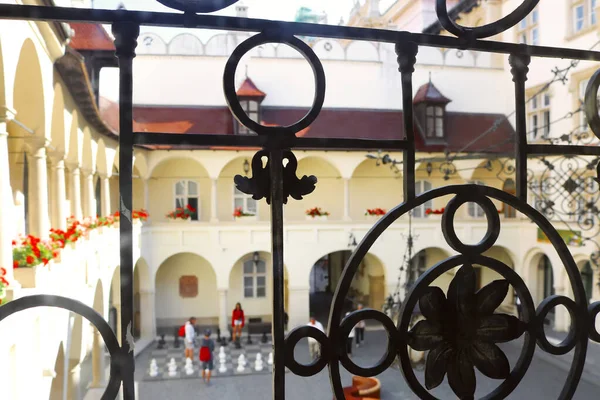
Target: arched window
[
  {"x": 510, "y": 188},
  {"x": 420, "y": 188},
  {"x": 186, "y": 194},
  {"x": 244, "y": 201},
  {"x": 545, "y": 268},
  {"x": 587, "y": 276},
  {"x": 255, "y": 278},
  {"x": 475, "y": 209}
]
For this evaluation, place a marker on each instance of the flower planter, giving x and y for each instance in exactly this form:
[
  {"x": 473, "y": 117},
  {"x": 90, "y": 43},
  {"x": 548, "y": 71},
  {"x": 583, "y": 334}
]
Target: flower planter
[
  {"x": 373, "y": 217},
  {"x": 26, "y": 276},
  {"x": 317, "y": 218},
  {"x": 246, "y": 218},
  {"x": 179, "y": 220}
]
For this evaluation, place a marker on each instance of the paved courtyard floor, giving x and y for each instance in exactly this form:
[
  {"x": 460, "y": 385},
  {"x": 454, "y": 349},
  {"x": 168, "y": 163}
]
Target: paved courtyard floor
[{"x": 544, "y": 379}]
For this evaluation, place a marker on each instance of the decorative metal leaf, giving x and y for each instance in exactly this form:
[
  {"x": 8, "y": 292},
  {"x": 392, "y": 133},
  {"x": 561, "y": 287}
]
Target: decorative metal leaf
[
  {"x": 462, "y": 291},
  {"x": 433, "y": 303},
  {"x": 491, "y": 296},
  {"x": 292, "y": 186},
  {"x": 461, "y": 376},
  {"x": 499, "y": 328},
  {"x": 258, "y": 186},
  {"x": 435, "y": 368},
  {"x": 490, "y": 360},
  {"x": 425, "y": 335}
]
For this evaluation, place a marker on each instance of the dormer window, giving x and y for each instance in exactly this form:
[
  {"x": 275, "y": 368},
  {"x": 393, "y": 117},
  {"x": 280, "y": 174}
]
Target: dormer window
[
  {"x": 250, "y": 98},
  {"x": 430, "y": 110}
]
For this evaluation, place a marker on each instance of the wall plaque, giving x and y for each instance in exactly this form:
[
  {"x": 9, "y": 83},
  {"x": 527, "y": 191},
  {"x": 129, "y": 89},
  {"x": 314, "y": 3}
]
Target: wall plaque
[{"x": 188, "y": 286}]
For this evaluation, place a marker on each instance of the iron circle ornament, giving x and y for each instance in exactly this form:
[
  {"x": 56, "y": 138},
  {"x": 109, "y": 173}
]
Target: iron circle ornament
[
  {"x": 593, "y": 311},
  {"x": 543, "y": 309},
  {"x": 305, "y": 51},
  {"x": 197, "y": 6},
  {"x": 591, "y": 103},
  {"x": 466, "y": 191},
  {"x": 528, "y": 349},
  {"x": 290, "y": 344},
  {"x": 493, "y": 223},
  {"x": 110, "y": 340},
  {"x": 390, "y": 354},
  {"x": 480, "y": 32}
]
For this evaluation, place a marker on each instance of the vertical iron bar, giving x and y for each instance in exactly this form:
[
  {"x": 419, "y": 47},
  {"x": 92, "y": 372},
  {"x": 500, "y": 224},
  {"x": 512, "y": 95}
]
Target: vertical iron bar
[
  {"x": 519, "y": 68},
  {"x": 407, "y": 57},
  {"x": 276, "y": 172},
  {"x": 125, "y": 42}
]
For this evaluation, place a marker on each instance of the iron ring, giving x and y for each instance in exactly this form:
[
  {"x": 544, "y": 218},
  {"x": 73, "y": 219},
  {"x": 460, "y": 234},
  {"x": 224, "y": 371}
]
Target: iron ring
[
  {"x": 197, "y": 6},
  {"x": 593, "y": 311},
  {"x": 591, "y": 103},
  {"x": 542, "y": 311},
  {"x": 290, "y": 344}
]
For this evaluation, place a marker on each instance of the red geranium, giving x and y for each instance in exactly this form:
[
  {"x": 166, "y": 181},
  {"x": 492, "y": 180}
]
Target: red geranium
[
  {"x": 375, "y": 211},
  {"x": 316, "y": 212}
]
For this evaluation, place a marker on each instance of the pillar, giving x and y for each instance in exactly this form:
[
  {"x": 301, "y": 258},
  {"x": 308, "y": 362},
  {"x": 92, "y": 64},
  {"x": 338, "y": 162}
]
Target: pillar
[
  {"x": 97, "y": 361},
  {"x": 74, "y": 378},
  {"x": 213, "y": 201},
  {"x": 146, "y": 194},
  {"x": 76, "y": 192},
  {"x": 38, "y": 197},
  {"x": 105, "y": 201},
  {"x": 299, "y": 306},
  {"x": 147, "y": 314},
  {"x": 89, "y": 209},
  {"x": 6, "y": 204},
  {"x": 58, "y": 170},
  {"x": 346, "y": 199},
  {"x": 223, "y": 312}
]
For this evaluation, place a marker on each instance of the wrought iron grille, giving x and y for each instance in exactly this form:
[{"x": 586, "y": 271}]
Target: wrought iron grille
[{"x": 455, "y": 323}]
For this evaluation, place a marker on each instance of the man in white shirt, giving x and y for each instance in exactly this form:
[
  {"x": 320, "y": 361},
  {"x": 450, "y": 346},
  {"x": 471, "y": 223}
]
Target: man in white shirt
[
  {"x": 314, "y": 348},
  {"x": 190, "y": 338}
]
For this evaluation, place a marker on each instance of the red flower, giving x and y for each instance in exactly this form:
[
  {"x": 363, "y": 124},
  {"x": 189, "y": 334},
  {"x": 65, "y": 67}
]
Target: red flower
[
  {"x": 2, "y": 271},
  {"x": 30, "y": 259},
  {"x": 4, "y": 281},
  {"x": 45, "y": 261},
  {"x": 15, "y": 264}
]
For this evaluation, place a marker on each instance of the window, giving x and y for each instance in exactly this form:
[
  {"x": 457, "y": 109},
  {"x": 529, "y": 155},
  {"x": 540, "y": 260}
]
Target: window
[
  {"x": 255, "y": 279},
  {"x": 475, "y": 209},
  {"x": 539, "y": 116},
  {"x": 186, "y": 193},
  {"x": 528, "y": 29},
  {"x": 583, "y": 124},
  {"x": 510, "y": 188},
  {"x": 251, "y": 109},
  {"x": 583, "y": 14},
  {"x": 245, "y": 201},
  {"x": 420, "y": 188},
  {"x": 435, "y": 122}
]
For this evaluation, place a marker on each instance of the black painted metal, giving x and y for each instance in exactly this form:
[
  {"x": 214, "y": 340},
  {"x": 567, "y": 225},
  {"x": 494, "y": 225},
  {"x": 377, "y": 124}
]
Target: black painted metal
[{"x": 277, "y": 182}]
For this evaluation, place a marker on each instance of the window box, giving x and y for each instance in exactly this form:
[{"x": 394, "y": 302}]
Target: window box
[
  {"x": 28, "y": 277},
  {"x": 317, "y": 218},
  {"x": 246, "y": 218}
]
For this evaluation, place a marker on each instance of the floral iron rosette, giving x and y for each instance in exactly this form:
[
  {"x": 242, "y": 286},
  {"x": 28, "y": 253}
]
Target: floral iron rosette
[{"x": 461, "y": 332}]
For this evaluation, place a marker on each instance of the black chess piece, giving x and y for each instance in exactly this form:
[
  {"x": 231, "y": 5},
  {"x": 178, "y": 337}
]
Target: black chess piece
[
  {"x": 264, "y": 339},
  {"x": 249, "y": 341},
  {"x": 162, "y": 342},
  {"x": 238, "y": 345},
  {"x": 218, "y": 335},
  {"x": 176, "y": 343}
]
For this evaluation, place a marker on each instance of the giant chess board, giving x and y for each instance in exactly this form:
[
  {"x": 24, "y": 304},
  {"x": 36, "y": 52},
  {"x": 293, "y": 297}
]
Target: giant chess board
[{"x": 232, "y": 354}]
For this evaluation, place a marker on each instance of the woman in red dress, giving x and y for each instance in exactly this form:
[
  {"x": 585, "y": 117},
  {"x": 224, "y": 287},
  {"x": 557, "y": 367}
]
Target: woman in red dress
[{"x": 237, "y": 321}]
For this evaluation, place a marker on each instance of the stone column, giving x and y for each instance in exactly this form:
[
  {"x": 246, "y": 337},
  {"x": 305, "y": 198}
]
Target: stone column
[
  {"x": 147, "y": 314},
  {"x": 58, "y": 170},
  {"x": 97, "y": 361},
  {"x": 299, "y": 306},
  {"x": 213, "y": 201},
  {"x": 89, "y": 210},
  {"x": 76, "y": 192},
  {"x": 7, "y": 221},
  {"x": 223, "y": 312},
  {"x": 105, "y": 201},
  {"x": 38, "y": 197},
  {"x": 146, "y": 194},
  {"x": 346, "y": 199}
]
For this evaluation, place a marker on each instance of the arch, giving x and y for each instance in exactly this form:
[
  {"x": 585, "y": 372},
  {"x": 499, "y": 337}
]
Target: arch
[
  {"x": 430, "y": 56},
  {"x": 76, "y": 347},
  {"x": 186, "y": 44},
  {"x": 75, "y": 140},
  {"x": 177, "y": 299},
  {"x": 425, "y": 258},
  {"x": 217, "y": 46},
  {"x": 369, "y": 178},
  {"x": 510, "y": 187},
  {"x": 150, "y": 43},
  {"x": 285, "y": 51},
  {"x": 114, "y": 302},
  {"x": 102, "y": 161},
  {"x": 140, "y": 163},
  {"x": 88, "y": 151},
  {"x": 328, "y": 49},
  {"x": 587, "y": 277},
  {"x": 231, "y": 198},
  {"x": 57, "y": 388},
  {"x": 58, "y": 132},
  {"x": 459, "y": 58},
  {"x": 98, "y": 302},
  {"x": 266, "y": 50},
  {"x": 143, "y": 300},
  {"x": 163, "y": 163},
  {"x": 362, "y": 51}
]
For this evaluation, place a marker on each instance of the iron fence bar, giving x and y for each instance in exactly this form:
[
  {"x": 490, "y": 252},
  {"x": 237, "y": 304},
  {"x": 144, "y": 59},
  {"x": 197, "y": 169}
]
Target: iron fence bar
[
  {"x": 276, "y": 182},
  {"x": 189, "y": 20},
  {"x": 519, "y": 68},
  {"x": 551, "y": 149},
  {"x": 259, "y": 141},
  {"x": 125, "y": 42}
]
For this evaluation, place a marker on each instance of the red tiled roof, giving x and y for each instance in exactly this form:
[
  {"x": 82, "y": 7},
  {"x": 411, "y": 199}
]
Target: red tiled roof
[
  {"x": 249, "y": 89},
  {"x": 429, "y": 93},
  {"x": 90, "y": 37},
  {"x": 461, "y": 128}
]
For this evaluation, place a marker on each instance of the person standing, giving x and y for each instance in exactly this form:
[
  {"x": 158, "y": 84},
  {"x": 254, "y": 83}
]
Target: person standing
[
  {"x": 207, "y": 347},
  {"x": 314, "y": 348},
  {"x": 350, "y": 338},
  {"x": 238, "y": 321},
  {"x": 190, "y": 337},
  {"x": 360, "y": 329}
]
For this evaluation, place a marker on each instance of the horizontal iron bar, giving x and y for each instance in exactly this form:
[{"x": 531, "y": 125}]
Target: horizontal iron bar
[
  {"x": 551, "y": 149},
  {"x": 256, "y": 141},
  {"x": 179, "y": 20}
]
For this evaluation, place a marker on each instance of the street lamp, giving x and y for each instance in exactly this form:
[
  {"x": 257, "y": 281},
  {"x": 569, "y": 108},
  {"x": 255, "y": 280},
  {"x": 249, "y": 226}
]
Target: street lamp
[
  {"x": 246, "y": 167},
  {"x": 429, "y": 168},
  {"x": 255, "y": 257},
  {"x": 352, "y": 241}
]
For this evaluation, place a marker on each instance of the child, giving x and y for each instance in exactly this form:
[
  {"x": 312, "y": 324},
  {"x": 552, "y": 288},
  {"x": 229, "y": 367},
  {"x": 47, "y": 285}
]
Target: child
[{"x": 207, "y": 346}]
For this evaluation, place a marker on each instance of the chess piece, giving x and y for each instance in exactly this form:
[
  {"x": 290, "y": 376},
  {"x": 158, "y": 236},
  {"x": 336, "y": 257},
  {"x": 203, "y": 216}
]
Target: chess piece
[
  {"x": 270, "y": 359},
  {"x": 153, "y": 368},
  {"x": 241, "y": 363},
  {"x": 222, "y": 355},
  {"x": 264, "y": 338},
  {"x": 161, "y": 342},
  {"x": 222, "y": 367},
  {"x": 258, "y": 364},
  {"x": 218, "y": 335},
  {"x": 249, "y": 341},
  {"x": 172, "y": 368},
  {"x": 238, "y": 345},
  {"x": 176, "y": 343},
  {"x": 189, "y": 367}
]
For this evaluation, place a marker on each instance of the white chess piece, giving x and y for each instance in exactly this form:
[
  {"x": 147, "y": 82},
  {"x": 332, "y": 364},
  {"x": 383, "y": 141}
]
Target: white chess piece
[
  {"x": 153, "y": 368},
  {"x": 189, "y": 367},
  {"x": 270, "y": 359},
  {"x": 241, "y": 363},
  {"x": 222, "y": 367},
  {"x": 172, "y": 368},
  {"x": 258, "y": 364},
  {"x": 222, "y": 356}
]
